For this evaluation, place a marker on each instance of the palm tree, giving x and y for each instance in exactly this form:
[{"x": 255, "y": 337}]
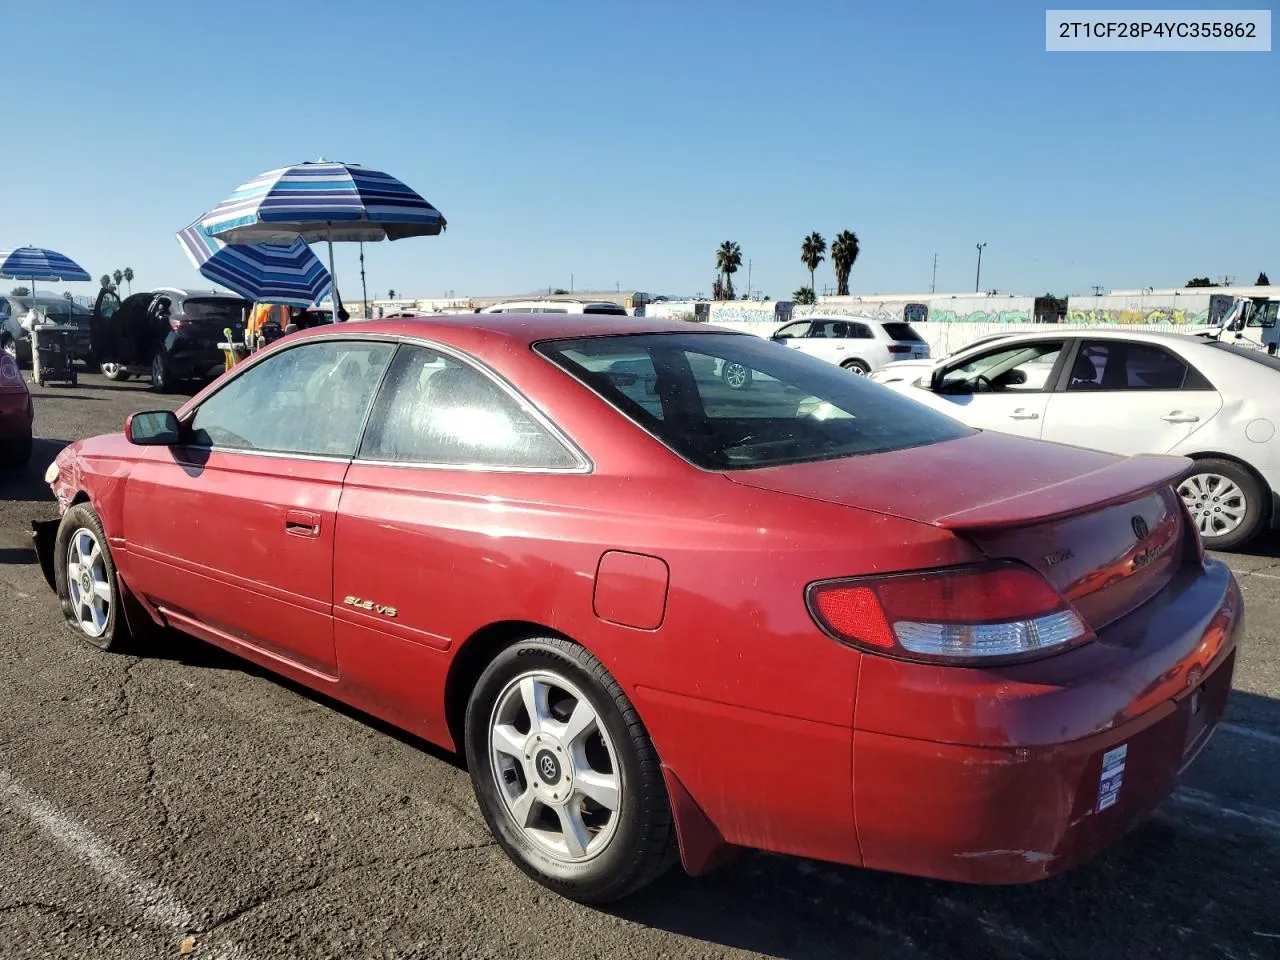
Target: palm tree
[
  {"x": 66, "y": 294},
  {"x": 811, "y": 254},
  {"x": 804, "y": 296},
  {"x": 128, "y": 277},
  {"x": 118, "y": 276},
  {"x": 106, "y": 281},
  {"x": 844, "y": 251},
  {"x": 728, "y": 260}
]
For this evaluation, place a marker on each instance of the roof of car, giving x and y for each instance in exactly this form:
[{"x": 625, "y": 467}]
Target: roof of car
[
  {"x": 523, "y": 328},
  {"x": 1052, "y": 331}
]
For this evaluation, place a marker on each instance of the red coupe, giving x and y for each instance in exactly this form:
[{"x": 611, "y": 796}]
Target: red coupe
[
  {"x": 16, "y": 415},
  {"x": 661, "y": 617}
]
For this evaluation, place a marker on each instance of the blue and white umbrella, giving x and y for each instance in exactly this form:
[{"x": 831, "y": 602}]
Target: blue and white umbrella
[
  {"x": 37, "y": 263},
  {"x": 323, "y": 201},
  {"x": 287, "y": 273}
]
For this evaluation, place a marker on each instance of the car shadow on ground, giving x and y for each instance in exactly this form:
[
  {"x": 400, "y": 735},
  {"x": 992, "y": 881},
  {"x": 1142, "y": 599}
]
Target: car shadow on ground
[
  {"x": 799, "y": 909},
  {"x": 28, "y": 483}
]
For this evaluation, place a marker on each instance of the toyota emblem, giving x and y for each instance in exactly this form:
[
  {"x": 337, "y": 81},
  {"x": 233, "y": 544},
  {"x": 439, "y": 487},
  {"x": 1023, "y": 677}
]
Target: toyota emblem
[{"x": 1140, "y": 529}]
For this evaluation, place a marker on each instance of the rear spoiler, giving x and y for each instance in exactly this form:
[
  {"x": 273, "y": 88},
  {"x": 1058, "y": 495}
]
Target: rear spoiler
[{"x": 1114, "y": 483}]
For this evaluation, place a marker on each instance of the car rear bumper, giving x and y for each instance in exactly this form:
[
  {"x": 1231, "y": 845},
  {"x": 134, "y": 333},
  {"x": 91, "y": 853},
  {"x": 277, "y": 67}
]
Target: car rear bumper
[
  {"x": 1027, "y": 808},
  {"x": 15, "y": 415}
]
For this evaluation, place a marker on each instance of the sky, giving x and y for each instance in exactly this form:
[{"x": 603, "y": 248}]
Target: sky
[{"x": 604, "y": 145}]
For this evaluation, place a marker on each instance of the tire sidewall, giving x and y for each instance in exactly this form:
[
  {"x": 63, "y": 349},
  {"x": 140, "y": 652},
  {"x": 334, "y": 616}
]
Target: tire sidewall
[
  {"x": 1255, "y": 496},
  {"x": 83, "y": 516},
  {"x": 857, "y": 367},
  {"x": 579, "y": 880},
  {"x": 160, "y": 383}
]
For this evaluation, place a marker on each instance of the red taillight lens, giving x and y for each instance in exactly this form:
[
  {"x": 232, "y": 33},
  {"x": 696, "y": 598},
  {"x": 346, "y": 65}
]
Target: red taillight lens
[
  {"x": 899, "y": 348},
  {"x": 997, "y": 612},
  {"x": 10, "y": 375}
]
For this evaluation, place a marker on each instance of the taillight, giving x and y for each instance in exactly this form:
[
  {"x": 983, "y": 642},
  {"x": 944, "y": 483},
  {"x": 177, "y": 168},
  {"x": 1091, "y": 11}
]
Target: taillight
[
  {"x": 899, "y": 348},
  {"x": 175, "y": 324},
  {"x": 9, "y": 372},
  {"x": 981, "y": 614}
]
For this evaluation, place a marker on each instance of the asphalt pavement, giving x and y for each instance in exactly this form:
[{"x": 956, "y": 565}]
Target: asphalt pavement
[{"x": 187, "y": 803}]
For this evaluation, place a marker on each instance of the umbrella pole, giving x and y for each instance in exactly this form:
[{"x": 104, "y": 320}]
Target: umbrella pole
[{"x": 333, "y": 277}]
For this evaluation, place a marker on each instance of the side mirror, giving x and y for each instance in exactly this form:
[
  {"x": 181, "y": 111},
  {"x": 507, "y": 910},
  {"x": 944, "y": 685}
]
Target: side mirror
[
  {"x": 158, "y": 428},
  {"x": 935, "y": 380},
  {"x": 1013, "y": 378}
]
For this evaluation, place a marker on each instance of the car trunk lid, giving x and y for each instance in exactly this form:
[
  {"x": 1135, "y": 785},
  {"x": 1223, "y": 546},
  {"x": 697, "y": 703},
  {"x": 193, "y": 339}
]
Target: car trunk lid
[{"x": 1108, "y": 532}]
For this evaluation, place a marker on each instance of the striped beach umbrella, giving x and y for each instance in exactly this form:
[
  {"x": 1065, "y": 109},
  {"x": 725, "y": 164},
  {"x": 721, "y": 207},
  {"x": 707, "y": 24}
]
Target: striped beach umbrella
[
  {"x": 323, "y": 201},
  {"x": 37, "y": 263},
  {"x": 287, "y": 273}
]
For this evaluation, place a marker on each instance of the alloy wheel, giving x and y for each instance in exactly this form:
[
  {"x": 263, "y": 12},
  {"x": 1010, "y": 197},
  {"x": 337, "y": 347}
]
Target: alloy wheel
[
  {"x": 87, "y": 583},
  {"x": 1217, "y": 504},
  {"x": 555, "y": 766},
  {"x": 735, "y": 375}
]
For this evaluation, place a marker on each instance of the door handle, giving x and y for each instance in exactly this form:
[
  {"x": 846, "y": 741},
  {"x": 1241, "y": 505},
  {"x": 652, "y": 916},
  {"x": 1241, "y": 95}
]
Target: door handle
[
  {"x": 1021, "y": 414},
  {"x": 302, "y": 523},
  {"x": 1179, "y": 417}
]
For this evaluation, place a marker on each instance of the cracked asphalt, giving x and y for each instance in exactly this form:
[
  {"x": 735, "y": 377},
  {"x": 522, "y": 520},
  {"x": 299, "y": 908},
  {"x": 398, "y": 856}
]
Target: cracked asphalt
[{"x": 187, "y": 801}]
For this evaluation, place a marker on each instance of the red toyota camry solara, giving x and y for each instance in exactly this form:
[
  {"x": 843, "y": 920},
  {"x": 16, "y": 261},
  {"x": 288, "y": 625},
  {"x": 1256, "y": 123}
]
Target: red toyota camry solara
[{"x": 660, "y": 615}]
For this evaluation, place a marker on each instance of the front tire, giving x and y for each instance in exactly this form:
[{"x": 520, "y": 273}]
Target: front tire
[
  {"x": 565, "y": 774},
  {"x": 1228, "y": 504},
  {"x": 85, "y": 576},
  {"x": 737, "y": 376}
]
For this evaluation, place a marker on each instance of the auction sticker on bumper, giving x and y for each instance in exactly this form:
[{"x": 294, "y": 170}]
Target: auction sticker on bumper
[{"x": 1112, "y": 775}]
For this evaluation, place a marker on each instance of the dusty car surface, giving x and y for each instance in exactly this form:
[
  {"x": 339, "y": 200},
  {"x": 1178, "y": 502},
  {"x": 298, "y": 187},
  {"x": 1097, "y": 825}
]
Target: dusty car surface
[{"x": 663, "y": 618}]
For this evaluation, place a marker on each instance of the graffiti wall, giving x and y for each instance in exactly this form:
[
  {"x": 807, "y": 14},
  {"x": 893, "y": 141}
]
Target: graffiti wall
[{"x": 1192, "y": 307}]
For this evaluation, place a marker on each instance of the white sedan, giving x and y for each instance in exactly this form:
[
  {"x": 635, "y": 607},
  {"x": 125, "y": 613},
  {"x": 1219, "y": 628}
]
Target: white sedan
[{"x": 1131, "y": 393}]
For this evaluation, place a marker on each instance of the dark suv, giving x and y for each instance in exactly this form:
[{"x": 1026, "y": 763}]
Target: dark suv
[{"x": 169, "y": 334}]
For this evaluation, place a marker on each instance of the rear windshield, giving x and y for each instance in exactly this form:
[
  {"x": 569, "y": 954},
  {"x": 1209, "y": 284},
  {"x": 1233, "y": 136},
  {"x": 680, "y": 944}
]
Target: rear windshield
[
  {"x": 902, "y": 331},
  {"x": 221, "y": 309},
  {"x": 606, "y": 308},
  {"x": 1249, "y": 353},
  {"x": 727, "y": 401}
]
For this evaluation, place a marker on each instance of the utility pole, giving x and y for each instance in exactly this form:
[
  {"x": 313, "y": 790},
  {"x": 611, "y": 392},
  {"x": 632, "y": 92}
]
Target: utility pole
[
  {"x": 571, "y": 283},
  {"x": 748, "y": 278},
  {"x": 977, "y": 280},
  {"x": 933, "y": 284}
]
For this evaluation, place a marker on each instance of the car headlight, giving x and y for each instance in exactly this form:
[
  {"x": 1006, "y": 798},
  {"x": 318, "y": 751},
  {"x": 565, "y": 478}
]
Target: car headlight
[{"x": 51, "y": 475}]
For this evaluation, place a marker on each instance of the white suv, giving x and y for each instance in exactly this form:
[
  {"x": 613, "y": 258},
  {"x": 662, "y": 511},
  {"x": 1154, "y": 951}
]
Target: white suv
[{"x": 859, "y": 344}]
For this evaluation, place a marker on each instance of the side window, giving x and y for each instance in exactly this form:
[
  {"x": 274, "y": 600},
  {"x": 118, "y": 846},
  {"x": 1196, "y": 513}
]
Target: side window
[
  {"x": 860, "y": 331},
  {"x": 1021, "y": 369},
  {"x": 435, "y": 409},
  {"x": 1122, "y": 365},
  {"x": 793, "y": 330},
  {"x": 311, "y": 399}
]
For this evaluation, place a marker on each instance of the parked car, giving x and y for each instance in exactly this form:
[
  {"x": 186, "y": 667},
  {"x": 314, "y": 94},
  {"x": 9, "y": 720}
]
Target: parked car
[
  {"x": 1131, "y": 393},
  {"x": 900, "y": 370},
  {"x": 662, "y": 618},
  {"x": 16, "y": 341},
  {"x": 858, "y": 344},
  {"x": 16, "y": 415},
  {"x": 169, "y": 334},
  {"x": 557, "y": 305}
]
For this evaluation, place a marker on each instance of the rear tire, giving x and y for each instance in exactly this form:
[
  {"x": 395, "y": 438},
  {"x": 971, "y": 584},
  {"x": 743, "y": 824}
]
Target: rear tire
[
  {"x": 161, "y": 379},
  {"x": 859, "y": 367},
  {"x": 737, "y": 376},
  {"x": 1228, "y": 503},
  {"x": 85, "y": 576},
  {"x": 545, "y": 790}
]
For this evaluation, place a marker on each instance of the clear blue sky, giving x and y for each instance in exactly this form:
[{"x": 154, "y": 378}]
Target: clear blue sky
[{"x": 621, "y": 146}]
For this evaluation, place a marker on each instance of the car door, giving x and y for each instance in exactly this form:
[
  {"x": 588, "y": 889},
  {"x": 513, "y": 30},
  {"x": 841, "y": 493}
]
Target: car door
[
  {"x": 1004, "y": 388},
  {"x": 231, "y": 533},
  {"x": 1129, "y": 397},
  {"x": 425, "y": 551},
  {"x": 792, "y": 334}
]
